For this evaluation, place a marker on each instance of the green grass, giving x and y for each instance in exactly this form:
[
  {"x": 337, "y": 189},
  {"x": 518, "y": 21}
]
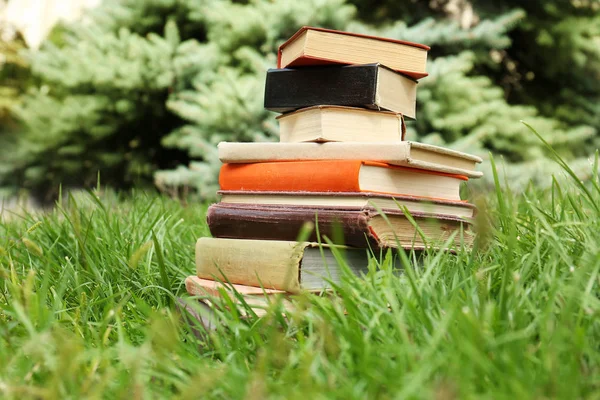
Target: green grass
[{"x": 87, "y": 296}]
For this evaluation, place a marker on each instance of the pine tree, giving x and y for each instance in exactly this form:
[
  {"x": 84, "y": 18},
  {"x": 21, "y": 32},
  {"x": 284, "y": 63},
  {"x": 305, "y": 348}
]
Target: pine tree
[
  {"x": 14, "y": 80},
  {"x": 99, "y": 107},
  {"x": 144, "y": 86},
  {"x": 554, "y": 60},
  {"x": 457, "y": 106}
]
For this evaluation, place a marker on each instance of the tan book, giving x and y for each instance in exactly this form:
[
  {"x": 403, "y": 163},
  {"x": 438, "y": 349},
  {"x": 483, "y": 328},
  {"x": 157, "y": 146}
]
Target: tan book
[
  {"x": 341, "y": 124},
  {"x": 458, "y": 209},
  {"x": 274, "y": 264},
  {"x": 318, "y": 46},
  {"x": 410, "y": 154}
]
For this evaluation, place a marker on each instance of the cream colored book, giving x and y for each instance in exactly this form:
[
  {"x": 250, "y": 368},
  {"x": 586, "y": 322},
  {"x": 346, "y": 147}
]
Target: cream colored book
[
  {"x": 318, "y": 46},
  {"x": 458, "y": 209},
  {"x": 410, "y": 154},
  {"x": 274, "y": 264},
  {"x": 340, "y": 124}
]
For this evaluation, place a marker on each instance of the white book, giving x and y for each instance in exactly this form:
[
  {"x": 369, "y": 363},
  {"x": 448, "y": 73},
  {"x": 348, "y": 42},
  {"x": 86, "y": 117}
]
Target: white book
[{"x": 408, "y": 154}]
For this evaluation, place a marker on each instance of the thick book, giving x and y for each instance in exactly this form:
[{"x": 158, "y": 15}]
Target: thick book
[
  {"x": 317, "y": 46},
  {"x": 344, "y": 201},
  {"x": 256, "y": 298},
  {"x": 275, "y": 264},
  {"x": 360, "y": 227},
  {"x": 372, "y": 85},
  {"x": 409, "y": 154},
  {"x": 340, "y": 176},
  {"x": 341, "y": 124}
]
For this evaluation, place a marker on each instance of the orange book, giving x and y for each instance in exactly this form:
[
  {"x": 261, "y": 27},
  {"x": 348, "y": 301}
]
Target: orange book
[{"x": 340, "y": 176}]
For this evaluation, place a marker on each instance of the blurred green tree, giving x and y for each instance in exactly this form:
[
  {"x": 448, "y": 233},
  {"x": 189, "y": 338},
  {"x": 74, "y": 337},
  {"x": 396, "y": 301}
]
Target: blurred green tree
[
  {"x": 147, "y": 88},
  {"x": 15, "y": 77}
]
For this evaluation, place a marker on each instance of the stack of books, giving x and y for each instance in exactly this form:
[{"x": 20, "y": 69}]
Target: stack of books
[{"x": 342, "y": 165}]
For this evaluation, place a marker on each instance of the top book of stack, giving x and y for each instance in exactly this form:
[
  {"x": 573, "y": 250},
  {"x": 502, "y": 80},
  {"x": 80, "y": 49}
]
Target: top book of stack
[{"x": 317, "y": 46}]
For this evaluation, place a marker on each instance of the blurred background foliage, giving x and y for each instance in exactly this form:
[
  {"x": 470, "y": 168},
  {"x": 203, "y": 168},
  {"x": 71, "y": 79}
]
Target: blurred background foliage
[{"x": 141, "y": 91}]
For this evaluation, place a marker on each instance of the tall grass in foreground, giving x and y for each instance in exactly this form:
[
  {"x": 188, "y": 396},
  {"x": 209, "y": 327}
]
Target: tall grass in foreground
[{"x": 87, "y": 310}]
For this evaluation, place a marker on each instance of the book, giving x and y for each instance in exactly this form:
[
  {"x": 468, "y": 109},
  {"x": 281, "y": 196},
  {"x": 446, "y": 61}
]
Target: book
[
  {"x": 372, "y": 85},
  {"x": 360, "y": 227},
  {"x": 349, "y": 200},
  {"x": 197, "y": 314},
  {"x": 318, "y": 46},
  {"x": 409, "y": 154},
  {"x": 275, "y": 264},
  {"x": 256, "y": 298},
  {"x": 340, "y": 176},
  {"x": 340, "y": 124}
]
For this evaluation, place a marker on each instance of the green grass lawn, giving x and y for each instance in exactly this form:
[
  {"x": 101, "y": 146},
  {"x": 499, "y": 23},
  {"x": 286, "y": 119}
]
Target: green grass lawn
[{"x": 87, "y": 296}]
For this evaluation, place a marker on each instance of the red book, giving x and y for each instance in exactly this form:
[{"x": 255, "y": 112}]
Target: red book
[
  {"x": 340, "y": 176},
  {"x": 318, "y": 46}
]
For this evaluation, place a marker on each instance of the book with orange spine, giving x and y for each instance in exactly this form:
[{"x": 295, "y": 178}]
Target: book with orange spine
[{"x": 340, "y": 176}]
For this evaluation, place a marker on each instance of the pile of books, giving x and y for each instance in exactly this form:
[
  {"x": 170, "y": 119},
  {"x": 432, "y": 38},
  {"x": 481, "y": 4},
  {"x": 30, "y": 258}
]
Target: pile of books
[{"x": 342, "y": 165}]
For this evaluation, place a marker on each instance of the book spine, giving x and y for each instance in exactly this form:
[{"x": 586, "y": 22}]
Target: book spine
[
  {"x": 402, "y": 127},
  {"x": 310, "y": 176},
  {"x": 246, "y": 221},
  {"x": 272, "y": 265},
  {"x": 206, "y": 287},
  {"x": 279, "y": 51},
  {"x": 289, "y": 89},
  {"x": 241, "y": 153}
]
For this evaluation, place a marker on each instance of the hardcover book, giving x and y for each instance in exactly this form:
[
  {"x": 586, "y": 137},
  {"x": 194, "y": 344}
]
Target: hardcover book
[
  {"x": 360, "y": 227},
  {"x": 410, "y": 154},
  {"x": 317, "y": 46},
  {"x": 349, "y": 200},
  {"x": 341, "y": 124},
  {"x": 275, "y": 264},
  {"x": 340, "y": 176},
  {"x": 372, "y": 85},
  {"x": 255, "y": 297}
]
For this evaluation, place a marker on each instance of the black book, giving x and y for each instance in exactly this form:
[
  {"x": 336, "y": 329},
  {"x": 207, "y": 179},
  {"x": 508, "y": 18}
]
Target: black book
[{"x": 371, "y": 85}]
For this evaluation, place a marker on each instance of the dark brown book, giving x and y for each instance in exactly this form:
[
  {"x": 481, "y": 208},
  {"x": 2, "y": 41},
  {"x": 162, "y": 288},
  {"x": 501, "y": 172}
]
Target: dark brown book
[
  {"x": 361, "y": 227},
  {"x": 371, "y": 85}
]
